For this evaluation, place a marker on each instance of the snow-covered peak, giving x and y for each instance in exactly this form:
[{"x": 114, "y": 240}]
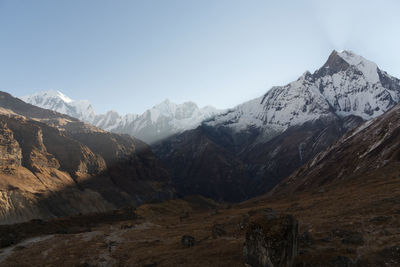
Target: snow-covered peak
[
  {"x": 164, "y": 103},
  {"x": 55, "y": 94},
  {"x": 160, "y": 121},
  {"x": 63, "y": 97},
  {"x": 188, "y": 113},
  {"x": 347, "y": 84},
  {"x": 368, "y": 68},
  {"x": 45, "y": 95},
  {"x": 57, "y": 101},
  {"x": 166, "y": 107}
]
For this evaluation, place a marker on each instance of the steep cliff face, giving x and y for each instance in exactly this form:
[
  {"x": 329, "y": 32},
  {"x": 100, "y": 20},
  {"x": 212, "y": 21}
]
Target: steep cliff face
[
  {"x": 53, "y": 165},
  {"x": 31, "y": 184},
  {"x": 10, "y": 151},
  {"x": 46, "y": 147}
]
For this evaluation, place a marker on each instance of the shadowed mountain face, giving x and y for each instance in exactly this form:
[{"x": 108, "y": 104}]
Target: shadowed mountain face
[
  {"x": 267, "y": 138},
  {"x": 202, "y": 166},
  {"x": 365, "y": 151},
  {"x": 54, "y": 165}
]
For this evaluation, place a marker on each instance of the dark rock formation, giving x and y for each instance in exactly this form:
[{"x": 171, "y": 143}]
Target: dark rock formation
[
  {"x": 271, "y": 241},
  {"x": 390, "y": 256},
  {"x": 348, "y": 237},
  {"x": 341, "y": 261},
  {"x": 333, "y": 65},
  {"x": 306, "y": 239},
  {"x": 188, "y": 241},
  {"x": 218, "y": 230},
  {"x": 10, "y": 151}
]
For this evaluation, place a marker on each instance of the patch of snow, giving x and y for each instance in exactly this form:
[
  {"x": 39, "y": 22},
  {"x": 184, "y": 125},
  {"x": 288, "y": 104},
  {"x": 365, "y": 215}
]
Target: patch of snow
[{"x": 368, "y": 68}]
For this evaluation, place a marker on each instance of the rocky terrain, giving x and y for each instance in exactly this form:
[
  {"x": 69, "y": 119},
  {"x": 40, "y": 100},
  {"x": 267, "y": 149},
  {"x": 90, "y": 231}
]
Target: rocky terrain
[
  {"x": 328, "y": 213},
  {"x": 54, "y": 165},
  {"x": 245, "y": 151},
  {"x": 267, "y": 138},
  {"x": 364, "y": 151},
  {"x": 354, "y": 223},
  {"x": 331, "y": 167}
]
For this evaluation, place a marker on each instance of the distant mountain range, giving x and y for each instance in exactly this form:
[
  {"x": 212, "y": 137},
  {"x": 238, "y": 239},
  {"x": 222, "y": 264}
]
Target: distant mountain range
[
  {"x": 159, "y": 122},
  {"x": 322, "y": 155},
  {"x": 247, "y": 150}
]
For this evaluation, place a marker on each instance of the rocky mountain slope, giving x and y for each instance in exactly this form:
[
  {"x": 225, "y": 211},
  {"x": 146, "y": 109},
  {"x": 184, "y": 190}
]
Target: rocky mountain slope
[
  {"x": 54, "y": 165},
  {"x": 159, "y": 122},
  {"x": 339, "y": 209},
  {"x": 276, "y": 133},
  {"x": 364, "y": 151}
]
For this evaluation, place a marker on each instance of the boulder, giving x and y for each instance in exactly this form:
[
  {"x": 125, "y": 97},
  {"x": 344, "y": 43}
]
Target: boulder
[
  {"x": 8, "y": 240},
  {"x": 306, "y": 239},
  {"x": 390, "y": 256},
  {"x": 187, "y": 241},
  {"x": 349, "y": 237},
  {"x": 218, "y": 230},
  {"x": 271, "y": 241},
  {"x": 341, "y": 261}
]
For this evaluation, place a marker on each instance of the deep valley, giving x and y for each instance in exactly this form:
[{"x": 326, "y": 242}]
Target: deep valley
[{"x": 308, "y": 174}]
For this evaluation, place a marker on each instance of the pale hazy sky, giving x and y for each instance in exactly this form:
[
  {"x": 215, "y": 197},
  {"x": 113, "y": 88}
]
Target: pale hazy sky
[{"x": 130, "y": 55}]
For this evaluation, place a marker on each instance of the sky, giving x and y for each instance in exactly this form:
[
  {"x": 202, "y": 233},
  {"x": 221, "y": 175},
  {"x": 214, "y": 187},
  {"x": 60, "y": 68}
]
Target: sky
[{"x": 128, "y": 55}]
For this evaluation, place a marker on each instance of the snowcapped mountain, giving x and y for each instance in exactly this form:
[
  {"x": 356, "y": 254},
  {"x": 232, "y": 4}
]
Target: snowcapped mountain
[
  {"x": 250, "y": 148},
  {"x": 347, "y": 84},
  {"x": 57, "y": 101},
  {"x": 159, "y": 122},
  {"x": 164, "y": 120}
]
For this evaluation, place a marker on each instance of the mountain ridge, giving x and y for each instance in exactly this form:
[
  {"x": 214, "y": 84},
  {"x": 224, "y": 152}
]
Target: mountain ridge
[
  {"x": 279, "y": 131},
  {"x": 328, "y": 87},
  {"x": 266, "y": 138},
  {"x": 366, "y": 149},
  {"x": 161, "y": 121}
]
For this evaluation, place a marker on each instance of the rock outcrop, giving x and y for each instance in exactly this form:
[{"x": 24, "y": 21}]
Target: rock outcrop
[
  {"x": 187, "y": 241},
  {"x": 271, "y": 241},
  {"x": 10, "y": 151}
]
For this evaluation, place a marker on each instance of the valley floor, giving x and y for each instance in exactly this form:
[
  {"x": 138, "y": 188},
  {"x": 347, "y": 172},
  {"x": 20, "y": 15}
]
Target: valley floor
[{"x": 355, "y": 222}]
